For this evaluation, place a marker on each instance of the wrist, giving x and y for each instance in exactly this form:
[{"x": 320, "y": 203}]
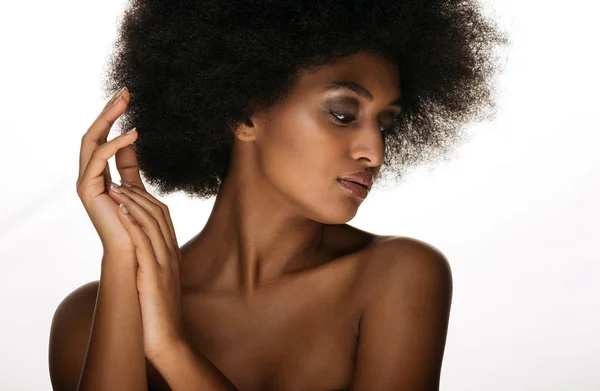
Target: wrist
[
  {"x": 121, "y": 257},
  {"x": 170, "y": 353},
  {"x": 118, "y": 252},
  {"x": 184, "y": 369}
]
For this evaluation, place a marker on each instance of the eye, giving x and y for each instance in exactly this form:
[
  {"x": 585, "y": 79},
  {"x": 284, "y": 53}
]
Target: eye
[
  {"x": 345, "y": 119},
  {"x": 342, "y": 118},
  {"x": 394, "y": 122}
]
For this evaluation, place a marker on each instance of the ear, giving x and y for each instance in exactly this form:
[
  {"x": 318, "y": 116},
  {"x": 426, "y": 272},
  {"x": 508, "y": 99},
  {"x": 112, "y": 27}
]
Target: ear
[
  {"x": 246, "y": 130},
  {"x": 243, "y": 131}
]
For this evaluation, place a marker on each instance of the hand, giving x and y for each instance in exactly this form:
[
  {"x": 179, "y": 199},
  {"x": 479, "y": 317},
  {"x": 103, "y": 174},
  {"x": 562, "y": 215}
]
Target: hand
[
  {"x": 148, "y": 223},
  {"x": 94, "y": 173}
]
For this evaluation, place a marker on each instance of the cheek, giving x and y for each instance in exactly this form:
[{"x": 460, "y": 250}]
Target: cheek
[{"x": 300, "y": 153}]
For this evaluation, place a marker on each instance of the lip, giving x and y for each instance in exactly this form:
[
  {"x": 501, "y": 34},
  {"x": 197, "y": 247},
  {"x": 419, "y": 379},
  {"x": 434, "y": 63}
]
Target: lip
[
  {"x": 359, "y": 191},
  {"x": 361, "y": 177}
]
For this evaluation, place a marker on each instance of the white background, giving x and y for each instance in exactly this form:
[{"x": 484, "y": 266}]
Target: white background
[{"x": 515, "y": 210}]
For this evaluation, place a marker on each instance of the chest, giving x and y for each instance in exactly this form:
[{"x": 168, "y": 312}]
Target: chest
[{"x": 303, "y": 338}]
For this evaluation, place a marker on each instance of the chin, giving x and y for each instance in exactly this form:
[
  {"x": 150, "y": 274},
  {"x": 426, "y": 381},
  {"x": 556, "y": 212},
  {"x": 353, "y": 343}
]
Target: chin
[
  {"x": 332, "y": 208},
  {"x": 339, "y": 211}
]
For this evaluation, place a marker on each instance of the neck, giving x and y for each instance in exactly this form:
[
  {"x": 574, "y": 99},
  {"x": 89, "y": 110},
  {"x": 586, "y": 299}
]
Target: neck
[{"x": 256, "y": 235}]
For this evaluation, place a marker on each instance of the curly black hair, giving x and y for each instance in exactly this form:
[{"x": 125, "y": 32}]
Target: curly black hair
[{"x": 196, "y": 68}]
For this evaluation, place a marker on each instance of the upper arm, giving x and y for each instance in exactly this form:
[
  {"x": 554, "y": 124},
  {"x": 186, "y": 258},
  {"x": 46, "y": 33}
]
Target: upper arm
[
  {"x": 69, "y": 334},
  {"x": 404, "y": 324}
]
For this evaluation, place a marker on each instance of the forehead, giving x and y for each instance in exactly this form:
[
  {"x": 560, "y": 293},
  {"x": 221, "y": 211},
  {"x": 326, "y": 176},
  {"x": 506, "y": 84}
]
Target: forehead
[{"x": 377, "y": 74}]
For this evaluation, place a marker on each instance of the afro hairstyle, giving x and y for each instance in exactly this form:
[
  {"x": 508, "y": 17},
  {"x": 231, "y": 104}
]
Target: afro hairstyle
[{"x": 195, "y": 68}]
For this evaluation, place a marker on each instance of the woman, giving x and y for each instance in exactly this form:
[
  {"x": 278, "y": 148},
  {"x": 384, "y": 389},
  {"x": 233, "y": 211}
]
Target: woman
[{"x": 286, "y": 111}]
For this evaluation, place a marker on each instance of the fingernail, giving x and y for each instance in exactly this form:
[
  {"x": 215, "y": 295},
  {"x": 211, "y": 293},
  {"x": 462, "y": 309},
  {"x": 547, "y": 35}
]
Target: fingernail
[
  {"x": 120, "y": 98},
  {"x": 130, "y": 131},
  {"x": 115, "y": 188},
  {"x": 116, "y": 95},
  {"x": 127, "y": 184},
  {"x": 120, "y": 92},
  {"x": 123, "y": 208}
]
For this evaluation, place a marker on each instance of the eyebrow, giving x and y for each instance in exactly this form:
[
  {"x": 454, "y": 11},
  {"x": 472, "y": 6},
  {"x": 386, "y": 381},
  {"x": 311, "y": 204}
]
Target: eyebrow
[{"x": 357, "y": 88}]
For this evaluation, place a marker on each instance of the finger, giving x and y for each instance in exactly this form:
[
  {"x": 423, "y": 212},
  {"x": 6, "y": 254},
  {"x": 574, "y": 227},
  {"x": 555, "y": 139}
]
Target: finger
[
  {"x": 92, "y": 179},
  {"x": 143, "y": 245},
  {"x": 150, "y": 225},
  {"x": 107, "y": 176},
  {"x": 166, "y": 213},
  {"x": 97, "y": 133},
  {"x": 156, "y": 209},
  {"x": 113, "y": 98},
  {"x": 127, "y": 165}
]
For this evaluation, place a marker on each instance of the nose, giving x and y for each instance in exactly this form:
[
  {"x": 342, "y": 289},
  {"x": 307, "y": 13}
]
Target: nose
[{"x": 368, "y": 144}]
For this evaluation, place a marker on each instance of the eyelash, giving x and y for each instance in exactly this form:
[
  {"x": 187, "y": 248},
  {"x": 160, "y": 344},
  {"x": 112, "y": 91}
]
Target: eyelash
[{"x": 352, "y": 118}]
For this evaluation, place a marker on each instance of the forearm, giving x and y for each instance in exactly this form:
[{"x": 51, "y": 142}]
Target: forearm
[
  {"x": 115, "y": 358},
  {"x": 184, "y": 370}
]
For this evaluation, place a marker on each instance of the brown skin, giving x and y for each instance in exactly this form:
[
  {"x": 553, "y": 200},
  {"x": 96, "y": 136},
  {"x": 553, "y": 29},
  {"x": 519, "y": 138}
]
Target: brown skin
[
  {"x": 283, "y": 179},
  {"x": 277, "y": 292}
]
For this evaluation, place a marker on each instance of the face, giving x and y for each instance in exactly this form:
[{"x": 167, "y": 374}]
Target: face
[{"x": 329, "y": 126}]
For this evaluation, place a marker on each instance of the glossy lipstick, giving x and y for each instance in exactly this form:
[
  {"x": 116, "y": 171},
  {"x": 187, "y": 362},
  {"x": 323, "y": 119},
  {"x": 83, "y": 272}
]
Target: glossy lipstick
[{"x": 354, "y": 189}]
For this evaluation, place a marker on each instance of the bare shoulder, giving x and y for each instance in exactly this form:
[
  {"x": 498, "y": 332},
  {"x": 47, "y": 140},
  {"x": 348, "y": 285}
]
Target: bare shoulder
[
  {"x": 395, "y": 261},
  {"x": 407, "y": 252},
  {"x": 69, "y": 337},
  {"x": 405, "y": 299},
  {"x": 76, "y": 309},
  {"x": 69, "y": 333},
  {"x": 82, "y": 295}
]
